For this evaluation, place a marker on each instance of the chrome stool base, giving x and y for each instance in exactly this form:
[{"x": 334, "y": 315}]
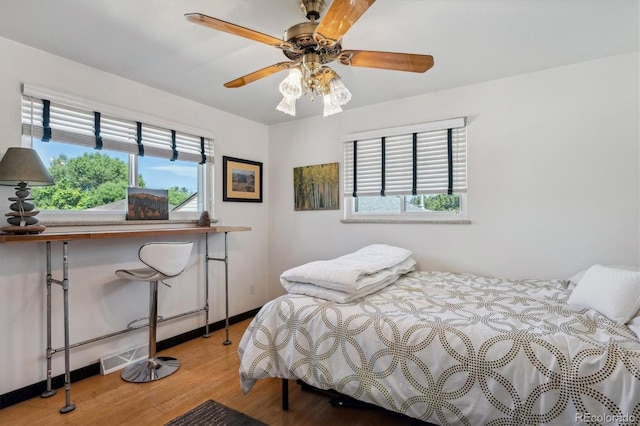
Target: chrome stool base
[
  {"x": 164, "y": 261},
  {"x": 150, "y": 369}
]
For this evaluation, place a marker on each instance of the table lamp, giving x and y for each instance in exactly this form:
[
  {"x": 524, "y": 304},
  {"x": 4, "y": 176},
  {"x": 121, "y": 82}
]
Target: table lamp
[{"x": 21, "y": 167}]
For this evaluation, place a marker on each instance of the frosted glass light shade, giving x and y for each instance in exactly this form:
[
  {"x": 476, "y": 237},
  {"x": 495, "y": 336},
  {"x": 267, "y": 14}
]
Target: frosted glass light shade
[
  {"x": 287, "y": 105},
  {"x": 330, "y": 105},
  {"x": 291, "y": 86},
  {"x": 339, "y": 91}
]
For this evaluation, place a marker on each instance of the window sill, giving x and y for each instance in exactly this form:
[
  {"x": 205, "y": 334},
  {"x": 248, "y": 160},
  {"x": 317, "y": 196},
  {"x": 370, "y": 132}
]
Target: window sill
[{"x": 411, "y": 221}]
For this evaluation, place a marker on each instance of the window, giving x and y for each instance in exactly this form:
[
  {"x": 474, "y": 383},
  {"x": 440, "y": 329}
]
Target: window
[
  {"x": 94, "y": 156},
  {"x": 410, "y": 173}
]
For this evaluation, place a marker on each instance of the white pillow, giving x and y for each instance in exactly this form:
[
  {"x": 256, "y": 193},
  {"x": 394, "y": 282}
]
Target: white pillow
[
  {"x": 578, "y": 276},
  {"x": 612, "y": 292}
]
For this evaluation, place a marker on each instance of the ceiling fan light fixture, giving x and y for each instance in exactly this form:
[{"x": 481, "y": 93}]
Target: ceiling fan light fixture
[{"x": 323, "y": 82}]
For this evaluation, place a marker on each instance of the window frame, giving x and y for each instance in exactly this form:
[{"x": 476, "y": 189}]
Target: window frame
[
  {"x": 350, "y": 215},
  {"x": 205, "y": 173}
]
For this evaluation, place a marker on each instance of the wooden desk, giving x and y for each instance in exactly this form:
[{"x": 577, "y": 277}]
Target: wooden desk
[
  {"x": 66, "y": 237},
  {"x": 100, "y": 235}
]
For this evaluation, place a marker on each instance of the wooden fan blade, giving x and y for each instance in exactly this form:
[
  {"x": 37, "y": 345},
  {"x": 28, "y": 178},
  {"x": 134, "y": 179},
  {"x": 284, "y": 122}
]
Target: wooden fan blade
[
  {"x": 338, "y": 19},
  {"x": 257, "y": 75},
  {"x": 230, "y": 28},
  {"x": 386, "y": 60}
]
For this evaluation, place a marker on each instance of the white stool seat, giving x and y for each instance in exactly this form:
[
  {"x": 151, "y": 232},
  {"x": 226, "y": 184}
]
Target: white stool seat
[
  {"x": 164, "y": 260},
  {"x": 141, "y": 274}
]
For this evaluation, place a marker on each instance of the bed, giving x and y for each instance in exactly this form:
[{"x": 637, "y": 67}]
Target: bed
[{"x": 454, "y": 349}]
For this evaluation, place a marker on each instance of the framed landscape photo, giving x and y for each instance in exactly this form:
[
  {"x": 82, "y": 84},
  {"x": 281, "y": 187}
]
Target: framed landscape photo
[{"x": 241, "y": 180}]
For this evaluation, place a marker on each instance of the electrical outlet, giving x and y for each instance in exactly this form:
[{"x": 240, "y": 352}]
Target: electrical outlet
[{"x": 252, "y": 289}]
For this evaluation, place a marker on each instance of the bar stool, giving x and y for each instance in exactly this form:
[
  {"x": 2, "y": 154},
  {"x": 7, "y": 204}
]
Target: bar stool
[{"x": 164, "y": 260}]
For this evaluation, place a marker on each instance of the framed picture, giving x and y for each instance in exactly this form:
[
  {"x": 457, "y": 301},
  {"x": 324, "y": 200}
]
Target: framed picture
[
  {"x": 316, "y": 187},
  {"x": 147, "y": 204},
  {"x": 241, "y": 180}
]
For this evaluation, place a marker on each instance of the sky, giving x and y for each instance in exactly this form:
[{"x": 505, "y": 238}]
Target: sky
[{"x": 158, "y": 173}]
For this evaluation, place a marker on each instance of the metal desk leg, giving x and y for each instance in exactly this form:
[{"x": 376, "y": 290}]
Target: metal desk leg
[
  {"x": 226, "y": 291},
  {"x": 49, "y": 392},
  {"x": 224, "y": 259},
  {"x": 50, "y": 351},
  {"x": 206, "y": 286},
  {"x": 67, "y": 370}
]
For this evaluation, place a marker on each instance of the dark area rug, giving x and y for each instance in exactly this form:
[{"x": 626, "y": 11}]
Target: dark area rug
[{"x": 211, "y": 413}]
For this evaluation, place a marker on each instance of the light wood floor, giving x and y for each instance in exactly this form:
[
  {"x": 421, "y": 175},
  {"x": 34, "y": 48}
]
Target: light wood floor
[{"x": 209, "y": 370}]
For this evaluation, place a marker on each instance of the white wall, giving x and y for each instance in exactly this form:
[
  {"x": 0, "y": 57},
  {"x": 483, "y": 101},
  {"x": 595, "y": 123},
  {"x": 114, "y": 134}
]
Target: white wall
[
  {"x": 100, "y": 303},
  {"x": 553, "y": 176}
]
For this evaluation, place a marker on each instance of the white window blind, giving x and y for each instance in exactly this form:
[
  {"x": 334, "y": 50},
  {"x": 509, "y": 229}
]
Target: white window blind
[
  {"x": 419, "y": 159},
  {"x": 51, "y": 120}
]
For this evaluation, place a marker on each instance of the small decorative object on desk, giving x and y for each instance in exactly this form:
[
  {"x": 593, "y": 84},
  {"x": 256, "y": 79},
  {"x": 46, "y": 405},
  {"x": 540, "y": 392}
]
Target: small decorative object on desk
[
  {"x": 204, "y": 220},
  {"x": 20, "y": 167}
]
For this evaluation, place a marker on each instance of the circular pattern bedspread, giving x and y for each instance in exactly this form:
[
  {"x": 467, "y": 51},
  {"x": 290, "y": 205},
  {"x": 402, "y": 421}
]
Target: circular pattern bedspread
[{"x": 455, "y": 349}]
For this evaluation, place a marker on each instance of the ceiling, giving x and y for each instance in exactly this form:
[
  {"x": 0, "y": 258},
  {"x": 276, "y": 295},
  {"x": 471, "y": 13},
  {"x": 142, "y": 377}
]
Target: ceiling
[{"x": 150, "y": 41}]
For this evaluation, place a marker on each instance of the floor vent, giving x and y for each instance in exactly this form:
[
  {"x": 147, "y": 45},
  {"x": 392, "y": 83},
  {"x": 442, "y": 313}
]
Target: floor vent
[{"x": 115, "y": 362}]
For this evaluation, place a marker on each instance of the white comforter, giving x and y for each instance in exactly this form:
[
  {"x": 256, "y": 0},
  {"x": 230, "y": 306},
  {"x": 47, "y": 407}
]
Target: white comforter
[
  {"x": 351, "y": 276},
  {"x": 455, "y": 349}
]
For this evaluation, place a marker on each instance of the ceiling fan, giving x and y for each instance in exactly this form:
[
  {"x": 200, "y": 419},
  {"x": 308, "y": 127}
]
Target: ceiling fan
[{"x": 311, "y": 45}]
